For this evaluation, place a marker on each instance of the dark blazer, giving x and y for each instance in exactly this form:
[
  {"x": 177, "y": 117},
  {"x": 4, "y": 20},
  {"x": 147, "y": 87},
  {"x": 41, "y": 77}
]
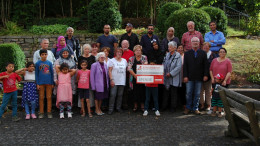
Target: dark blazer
[
  {"x": 195, "y": 68},
  {"x": 76, "y": 45}
]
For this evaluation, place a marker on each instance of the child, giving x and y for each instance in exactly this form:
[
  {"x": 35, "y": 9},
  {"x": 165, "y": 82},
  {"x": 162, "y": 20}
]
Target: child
[
  {"x": 216, "y": 101},
  {"x": 83, "y": 85},
  {"x": 64, "y": 91},
  {"x": 44, "y": 80},
  {"x": 30, "y": 96},
  {"x": 10, "y": 91}
]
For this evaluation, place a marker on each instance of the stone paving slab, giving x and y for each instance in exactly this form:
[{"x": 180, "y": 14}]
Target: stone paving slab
[{"x": 118, "y": 129}]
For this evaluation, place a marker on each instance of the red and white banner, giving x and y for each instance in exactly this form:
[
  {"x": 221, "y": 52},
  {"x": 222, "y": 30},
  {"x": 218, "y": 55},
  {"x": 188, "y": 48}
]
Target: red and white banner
[{"x": 149, "y": 74}]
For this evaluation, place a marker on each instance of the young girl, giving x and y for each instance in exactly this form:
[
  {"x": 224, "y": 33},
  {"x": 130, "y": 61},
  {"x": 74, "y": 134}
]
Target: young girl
[
  {"x": 83, "y": 85},
  {"x": 216, "y": 102},
  {"x": 64, "y": 93},
  {"x": 29, "y": 97}
]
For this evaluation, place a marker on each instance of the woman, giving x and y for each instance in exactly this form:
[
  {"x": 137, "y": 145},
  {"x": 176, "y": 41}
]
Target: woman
[
  {"x": 206, "y": 86},
  {"x": 106, "y": 51},
  {"x": 99, "y": 81},
  {"x": 169, "y": 37},
  {"x": 221, "y": 65},
  {"x": 182, "y": 89},
  {"x": 61, "y": 43},
  {"x": 172, "y": 76},
  {"x": 94, "y": 51},
  {"x": 138, "y": 89},
  {"x": 65, "y": 57},
  {"x": 117, "y": 75}
]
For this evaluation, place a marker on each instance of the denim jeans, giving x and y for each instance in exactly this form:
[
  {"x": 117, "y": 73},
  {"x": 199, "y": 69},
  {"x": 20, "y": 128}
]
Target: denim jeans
[
  {"x": 116, "y": 91},
  {"x": 27, "y": 109},
  {"x": 151, "y": 91},
  {"x": 6, "y": 98},
  {"x": 193, "y": 89}
]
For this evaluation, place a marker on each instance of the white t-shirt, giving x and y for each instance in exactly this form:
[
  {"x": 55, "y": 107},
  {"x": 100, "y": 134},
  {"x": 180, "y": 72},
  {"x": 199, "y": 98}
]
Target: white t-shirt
[{"x": 118, "y": 71}]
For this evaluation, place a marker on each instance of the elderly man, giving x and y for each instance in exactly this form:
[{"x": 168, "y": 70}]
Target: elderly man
[
  {"x": 127, "y": 53},
  {"x": 147, "y": 40},
  {"x": 195, "y": 70},
  {"x": 215, "y": 38},
  {"x": 107, "y": 40},
  {"x": 187, "y": 36},
  {"x": 44, "y": 45},
  {"x": 72, "y": 41},
  {"x": 130, "y": 36}
]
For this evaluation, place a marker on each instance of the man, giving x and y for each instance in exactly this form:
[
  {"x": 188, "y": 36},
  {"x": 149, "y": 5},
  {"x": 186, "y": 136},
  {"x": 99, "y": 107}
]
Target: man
[
  {"x": 127, "y": 52},
  {"x": 72, "y": 41},
  {"x": 130, "y": 36},
  {"x": 187, "y": 36},
  {"x": 215, "y": 38},
  {"x": 194, "y": 72},
  {"x": 44, "y": 45},
  {"x": 107, "y": 40},
  {"x": 148, "y": 39}
]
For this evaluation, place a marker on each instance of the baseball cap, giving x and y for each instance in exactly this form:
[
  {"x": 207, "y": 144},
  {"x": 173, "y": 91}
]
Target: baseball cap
[
  {"x": 129, "y": 24},
  {"x": 219, "y": 76}
]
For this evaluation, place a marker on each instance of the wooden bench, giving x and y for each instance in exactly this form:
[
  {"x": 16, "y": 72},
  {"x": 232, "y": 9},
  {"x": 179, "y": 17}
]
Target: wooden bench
[{"x": 242, "y": 114}]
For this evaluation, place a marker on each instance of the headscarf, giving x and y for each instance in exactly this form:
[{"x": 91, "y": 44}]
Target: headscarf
[
  {"x": 70, "y": 61},
  {"x": 59, "y": 46},
  {"x": 170, "y": 38}
]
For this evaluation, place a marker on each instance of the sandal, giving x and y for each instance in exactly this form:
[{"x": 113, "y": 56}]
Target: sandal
[
  {"x": 90, "y": 115},
  {"x": 83, "y": 114}
]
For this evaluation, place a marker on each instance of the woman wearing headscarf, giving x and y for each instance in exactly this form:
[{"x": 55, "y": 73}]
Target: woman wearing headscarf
[
  {"x": 169, "y": 37},
  {"x": 61, "y": 43}
]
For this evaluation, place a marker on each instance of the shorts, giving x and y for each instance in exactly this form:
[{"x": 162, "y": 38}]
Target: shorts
[
  {"x": 216, "y": 102},
  {"x": 84, "y": 93}
]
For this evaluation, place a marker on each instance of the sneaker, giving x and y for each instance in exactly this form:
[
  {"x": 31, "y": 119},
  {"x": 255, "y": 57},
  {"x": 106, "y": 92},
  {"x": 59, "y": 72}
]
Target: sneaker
[
  {"x": 27, "y": 117},
  {"x": 69, "y": 115},
  {"x": 61, "y": 115},
  {"x": 209, "y": 112},
  {"x": 220, "y": 115},
  {"x": 15, "y": 119},
  {"x": 186, "y": 111},
  {"x": 145, "y": 113},
  {"x": 33, "y": 116},
  {"x": 157, "y": 113},
  {"x": 197, "y": 112},
  {"x": 41, "y": 115},
  {"x": 50, "y": 115},
  {"x": 213, "y": 114}
]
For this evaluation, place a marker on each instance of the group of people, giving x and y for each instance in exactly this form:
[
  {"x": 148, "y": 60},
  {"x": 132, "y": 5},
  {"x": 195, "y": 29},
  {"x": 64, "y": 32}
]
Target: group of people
[{"x": 103, "y": 74}]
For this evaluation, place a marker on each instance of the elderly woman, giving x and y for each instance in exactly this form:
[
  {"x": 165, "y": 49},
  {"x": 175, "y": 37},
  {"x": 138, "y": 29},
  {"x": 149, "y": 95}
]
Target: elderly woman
[
  {"x": 99, "y": 80},
  {"x": 205, "y": 93},
  {"x": 172, "y": 76},
  {"x": 94, "y": 51},
  {"x": 182, "y": 89},
  {"x": 117, "y": 75},
  {"x": 169, "y": 37},
  {"x": 138, "y": 89},
  {"x": 61, "y": 43},
  {"x": 221, "y": 65}
]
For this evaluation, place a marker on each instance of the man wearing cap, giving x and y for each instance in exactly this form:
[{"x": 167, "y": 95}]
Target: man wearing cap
[
  {"x": 131, "y": 37},
  {"x": 147, "y": 40}
]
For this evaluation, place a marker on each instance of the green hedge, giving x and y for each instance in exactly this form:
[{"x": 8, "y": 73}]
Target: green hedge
[
  {"x": 164, "y": 13},
  {"x": 179, "y": 20},
  {"x": 11, "y": 53},
  {"x": 219, "y": 17},
  {"x": 49, "y": 29},
  {"x": 101, "y": 12},
  {"x": 70, "y": 21}
]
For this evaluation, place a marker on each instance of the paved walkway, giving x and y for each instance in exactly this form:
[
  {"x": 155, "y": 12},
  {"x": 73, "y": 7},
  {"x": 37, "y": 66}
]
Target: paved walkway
[{"x": 119, "y": 129}]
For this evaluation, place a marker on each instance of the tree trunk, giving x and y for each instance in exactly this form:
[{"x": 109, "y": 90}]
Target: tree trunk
[
  {"x": 3, "y": 12},
  {"x": 71, "y": 10},
  {"x": 40, "y": 10},
  {"x": 137, "y": 9},
  {"x": 8, "y": 9},
  {"x": 154, "y": 12},
  {"x": 119, "y": 4},
  {"x": 43, "y": 16},
  {"x": 151, "y": 11},
  {"x": 62, "y": 8}
]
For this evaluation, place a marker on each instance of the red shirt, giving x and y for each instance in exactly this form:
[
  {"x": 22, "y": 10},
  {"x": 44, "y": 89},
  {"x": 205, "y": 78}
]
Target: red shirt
[
  {"x": 83, "y": 79},
  {"x": 127, "y": 54},
  {"x": 221, "y": 68},
  {"x": 9, "y": 83},
  {"x": 186, "y": 39}
]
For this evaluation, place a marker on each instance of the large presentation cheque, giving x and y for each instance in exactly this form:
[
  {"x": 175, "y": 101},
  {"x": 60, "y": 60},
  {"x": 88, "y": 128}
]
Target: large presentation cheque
[{"x": 149, "y": 74}]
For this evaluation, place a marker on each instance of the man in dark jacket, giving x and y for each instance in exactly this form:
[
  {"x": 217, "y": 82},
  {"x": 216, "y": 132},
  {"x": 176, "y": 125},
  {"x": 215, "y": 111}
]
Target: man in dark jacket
[
  {"x": 131, "y": 37},
  {"x": 72, "y": 41},
  {"x": 195, "y": 71}
]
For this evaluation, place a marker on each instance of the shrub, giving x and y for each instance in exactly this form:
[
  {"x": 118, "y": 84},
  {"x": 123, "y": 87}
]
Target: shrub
[
  {"x": 179, "y": 20},
  {"x": 164, "y": 13},
  {"x": 254, "y": 78},
  {"x": 219, "y": 17},
  {"x": 11, "y": 53},
  {"x": 254, "y": 25},
  {"x": 12, "y": 28},
  {"x": 70, "y": 21},
  {"x": 49, "y": 29},
  {"x": 101, "y": 12}
]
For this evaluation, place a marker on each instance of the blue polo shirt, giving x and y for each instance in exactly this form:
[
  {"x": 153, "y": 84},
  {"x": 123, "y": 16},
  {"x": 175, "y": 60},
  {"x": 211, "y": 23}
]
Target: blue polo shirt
[
  {"x": 219, "y": 40},
  {"x": 107, "y": 41},
  {"x": 147, "y": 43}
]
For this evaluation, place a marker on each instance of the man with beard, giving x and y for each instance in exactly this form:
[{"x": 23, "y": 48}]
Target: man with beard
[
  {"x": 107, "y": 40},
  {"x": 187, "y": 36},
  {"x": 148, "y": 39},
  {"x": 130, "y": 37}
]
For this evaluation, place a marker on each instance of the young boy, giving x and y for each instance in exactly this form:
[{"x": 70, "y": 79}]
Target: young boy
[
  {"x": 44, "y": 80},
  {"x": 10, "y": 91},
  {"x": 216, "y": 102}
]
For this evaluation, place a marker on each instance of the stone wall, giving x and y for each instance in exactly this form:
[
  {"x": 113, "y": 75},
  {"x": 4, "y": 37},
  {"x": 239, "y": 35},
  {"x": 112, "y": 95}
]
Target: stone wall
[{"x": 30, "y": 44}]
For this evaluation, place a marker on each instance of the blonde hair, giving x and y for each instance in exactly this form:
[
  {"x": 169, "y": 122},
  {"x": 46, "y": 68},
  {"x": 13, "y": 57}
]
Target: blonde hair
[
  {"x": 206, "y": 43},
  {"x": 138, "y": 47}
]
